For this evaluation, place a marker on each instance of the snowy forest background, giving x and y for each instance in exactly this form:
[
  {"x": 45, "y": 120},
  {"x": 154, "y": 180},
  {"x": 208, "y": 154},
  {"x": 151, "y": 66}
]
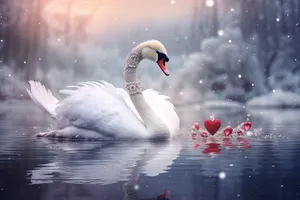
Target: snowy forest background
[{"x": 233, "y": 50}]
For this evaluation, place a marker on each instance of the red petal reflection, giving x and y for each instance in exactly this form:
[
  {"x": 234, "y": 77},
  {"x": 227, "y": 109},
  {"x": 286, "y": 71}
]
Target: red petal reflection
[
  {"x": 227, "y": 142},
  {"x": 194, "y": 136},
  {"x": 196, "y": 146},
  {"x": 212, "y": 148},
  {"x": 245, "y": 143}
]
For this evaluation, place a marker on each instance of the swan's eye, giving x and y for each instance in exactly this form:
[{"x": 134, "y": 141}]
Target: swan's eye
[{"x": 161, "y": 56}]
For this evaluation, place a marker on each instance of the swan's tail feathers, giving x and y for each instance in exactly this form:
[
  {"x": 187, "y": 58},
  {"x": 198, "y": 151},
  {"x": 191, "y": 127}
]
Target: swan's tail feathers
[{"x": 42, "y": 97}]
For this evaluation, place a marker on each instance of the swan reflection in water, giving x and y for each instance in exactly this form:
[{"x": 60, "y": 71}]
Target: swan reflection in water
[{"x": 103, "y": 163}]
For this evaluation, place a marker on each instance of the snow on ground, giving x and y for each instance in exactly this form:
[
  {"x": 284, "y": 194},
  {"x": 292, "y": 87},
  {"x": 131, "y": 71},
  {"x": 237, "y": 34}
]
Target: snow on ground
[{"x": 276, "y": 99}]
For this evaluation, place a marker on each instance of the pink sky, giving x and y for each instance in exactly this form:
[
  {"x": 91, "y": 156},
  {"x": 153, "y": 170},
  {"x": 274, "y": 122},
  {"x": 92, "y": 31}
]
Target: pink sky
[{"x": 114, "y": 13}]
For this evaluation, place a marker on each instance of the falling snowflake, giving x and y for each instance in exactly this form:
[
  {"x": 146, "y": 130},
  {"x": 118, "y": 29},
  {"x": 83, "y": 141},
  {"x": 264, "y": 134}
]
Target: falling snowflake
[
  {"x": 220, "y": 32},
  {"x": 136, "y": 187},
  {"x": 240, "y": 76},
  {"x": 200, "y": 81},
  {"x": 222, "y": 175}
]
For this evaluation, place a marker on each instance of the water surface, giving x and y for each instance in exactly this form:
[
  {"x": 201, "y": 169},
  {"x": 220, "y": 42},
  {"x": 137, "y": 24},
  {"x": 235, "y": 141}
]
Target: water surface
[{"x": 264, "y": 167}]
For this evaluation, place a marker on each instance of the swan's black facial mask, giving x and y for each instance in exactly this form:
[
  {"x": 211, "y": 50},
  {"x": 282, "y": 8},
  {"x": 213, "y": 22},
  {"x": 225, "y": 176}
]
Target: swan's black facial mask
[{"x": 161, "y": 61}]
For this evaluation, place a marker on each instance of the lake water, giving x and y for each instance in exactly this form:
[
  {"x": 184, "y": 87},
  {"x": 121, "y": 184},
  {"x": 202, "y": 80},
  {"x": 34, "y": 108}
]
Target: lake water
[{"x": 260, "y": 168}]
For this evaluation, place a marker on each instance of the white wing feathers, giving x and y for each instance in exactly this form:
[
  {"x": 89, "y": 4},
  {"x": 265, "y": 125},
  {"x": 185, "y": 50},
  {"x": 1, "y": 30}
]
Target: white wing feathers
[
  {"x": 98, "y": 106},
  {"x": 102, "y": 107},
  {"x": 159, "y": 103},
  {"x": 42, "y": 97},
  {"x": 164, "y": 109},
  {"x": 93, "y": 84}
]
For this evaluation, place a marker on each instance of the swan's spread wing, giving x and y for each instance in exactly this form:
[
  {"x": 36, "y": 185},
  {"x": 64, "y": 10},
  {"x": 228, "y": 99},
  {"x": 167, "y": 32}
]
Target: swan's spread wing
[
  {"x": 100, "y": 107},
  {"x": 159, "y": 103},
  {"x": 117, "y": 92},
  {"x": 163, "y": 108}
]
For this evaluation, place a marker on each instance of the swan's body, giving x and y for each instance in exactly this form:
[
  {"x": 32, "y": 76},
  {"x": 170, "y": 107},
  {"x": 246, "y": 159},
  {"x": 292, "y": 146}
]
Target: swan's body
[{"x": 99, "y": 110}]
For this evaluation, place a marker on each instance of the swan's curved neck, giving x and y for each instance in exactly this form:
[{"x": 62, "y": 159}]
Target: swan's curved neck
[{"x": 153, "y": 123}]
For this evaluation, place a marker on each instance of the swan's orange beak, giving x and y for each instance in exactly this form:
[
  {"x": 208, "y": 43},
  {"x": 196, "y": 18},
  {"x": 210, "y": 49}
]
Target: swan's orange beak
[{"x": 162, "y": 64}]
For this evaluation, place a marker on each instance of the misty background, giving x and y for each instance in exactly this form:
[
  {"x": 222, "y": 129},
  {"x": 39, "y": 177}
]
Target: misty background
[
  {"x": 242, "y": 51},
  {"x": 222, "y": 52}
]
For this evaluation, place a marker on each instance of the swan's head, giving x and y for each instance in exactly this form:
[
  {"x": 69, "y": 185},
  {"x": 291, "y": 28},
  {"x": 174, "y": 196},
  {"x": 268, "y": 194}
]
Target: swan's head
[{"x": 155, "y": 51}]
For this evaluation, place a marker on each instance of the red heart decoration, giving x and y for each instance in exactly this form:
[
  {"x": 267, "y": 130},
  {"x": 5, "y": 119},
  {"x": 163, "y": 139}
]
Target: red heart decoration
[
  {"x": 227, "y": 131},
  {"x": 247, "y": 125},
  {"x": 212, "y": 126},
  {"x": 240, "y": 132},
  {"x": 196, "y": 126},
  {"x": 194, "y": 136},
  {"x": 204, "y": 134}
]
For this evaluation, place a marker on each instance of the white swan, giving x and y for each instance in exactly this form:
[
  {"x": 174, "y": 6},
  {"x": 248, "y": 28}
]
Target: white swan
[{"x": 99, "y": 110}]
